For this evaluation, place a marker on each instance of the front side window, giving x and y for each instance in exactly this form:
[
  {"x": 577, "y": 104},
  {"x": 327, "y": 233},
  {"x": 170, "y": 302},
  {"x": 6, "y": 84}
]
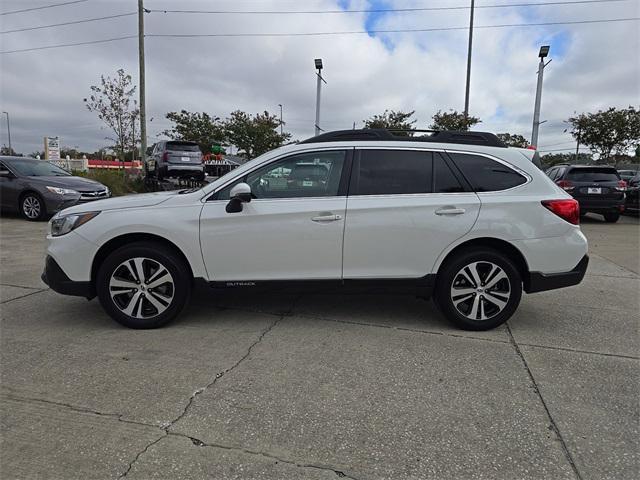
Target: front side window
[
  {"x": 314, "y": 174},
  {"x": 486, "y": 175},
  {"x": 392, "y": 172}
]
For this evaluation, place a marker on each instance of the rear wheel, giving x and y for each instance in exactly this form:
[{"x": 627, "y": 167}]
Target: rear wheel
[
  {"x": 32, "y": 207},
  {"x": 611, "y": 217},
  {"x": 479, "y": 289},
  {"x": 143, "y": 285}
]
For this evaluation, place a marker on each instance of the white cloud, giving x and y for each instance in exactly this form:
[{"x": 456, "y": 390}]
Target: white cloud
[{"x": 594, "y": 66}]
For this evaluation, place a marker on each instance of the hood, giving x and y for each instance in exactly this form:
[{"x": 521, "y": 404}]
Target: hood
[
  {"x": 135, "y": 200},
  {"x": 70, "y": 181}
]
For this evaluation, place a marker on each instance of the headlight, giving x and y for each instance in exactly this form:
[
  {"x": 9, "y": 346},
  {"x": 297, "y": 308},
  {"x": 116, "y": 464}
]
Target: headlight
[
  {"x": 65, "y": 223},
  {"x": 62, "y": 191}
]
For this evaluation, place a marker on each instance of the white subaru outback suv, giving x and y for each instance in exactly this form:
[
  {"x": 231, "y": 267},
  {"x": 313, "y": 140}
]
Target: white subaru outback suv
[{"x": 454, "y": 215}]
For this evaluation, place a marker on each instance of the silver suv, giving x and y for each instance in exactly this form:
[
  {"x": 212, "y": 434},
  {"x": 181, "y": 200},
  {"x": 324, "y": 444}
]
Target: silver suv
[{"x": 175, "y": 158}]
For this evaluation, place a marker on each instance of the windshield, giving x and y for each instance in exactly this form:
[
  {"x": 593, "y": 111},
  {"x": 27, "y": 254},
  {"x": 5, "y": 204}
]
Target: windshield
[
  {"x": 37, "y": 168},
  {"x": 594, "y": 174}
]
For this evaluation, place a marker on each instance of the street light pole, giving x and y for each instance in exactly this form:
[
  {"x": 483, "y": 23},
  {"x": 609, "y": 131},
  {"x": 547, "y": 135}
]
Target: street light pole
[
  {"x": 544, "y": 51},
  {"x": 281, "y": 131},
  {"x": 318, "y": 63},
  {"x": 8, "y": 131},
  {"x": 143, "y": 115},
  {"x": 466, "y": 93}
]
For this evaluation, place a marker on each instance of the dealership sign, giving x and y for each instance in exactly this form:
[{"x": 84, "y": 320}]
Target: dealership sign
[{"x": 52, "y": 148}]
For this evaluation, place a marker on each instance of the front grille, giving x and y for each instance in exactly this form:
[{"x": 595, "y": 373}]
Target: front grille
[{"x": 95, "y": 195}]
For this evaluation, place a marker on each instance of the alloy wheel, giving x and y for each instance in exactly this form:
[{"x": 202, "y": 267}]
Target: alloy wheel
[
  {"x": 141, "y": 287},
  {"x": 31, "y": 207},
  {"x": 480, "y": 290}
]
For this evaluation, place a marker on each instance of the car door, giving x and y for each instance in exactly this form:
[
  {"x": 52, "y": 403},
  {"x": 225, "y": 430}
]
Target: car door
[
  {"x": 10, "y": 188},
  {"x": 405, "y": 206},
  {"x": 291, "y": 230}
]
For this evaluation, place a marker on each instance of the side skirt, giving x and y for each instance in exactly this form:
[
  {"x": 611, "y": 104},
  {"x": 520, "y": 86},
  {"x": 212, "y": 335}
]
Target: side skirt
[{"x": 421, "y": 287}]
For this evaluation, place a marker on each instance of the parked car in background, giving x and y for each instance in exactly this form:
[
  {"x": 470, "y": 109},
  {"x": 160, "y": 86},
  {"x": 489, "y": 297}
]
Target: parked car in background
[
  {"x": 627, "y": 175},
  {"x": 178, "y": 159},
  {"x": 37, "y": 188},
  {"x": 632, "y": 202},
  {"x": 455, "y": 215},
  {"x": 597, "y": 189}
]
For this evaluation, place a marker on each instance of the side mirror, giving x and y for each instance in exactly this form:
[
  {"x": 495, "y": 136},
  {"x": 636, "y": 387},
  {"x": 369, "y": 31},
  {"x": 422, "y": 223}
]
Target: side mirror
[
  {"x": 6, "y": 174},
  {"x": 239, "y": 194}
]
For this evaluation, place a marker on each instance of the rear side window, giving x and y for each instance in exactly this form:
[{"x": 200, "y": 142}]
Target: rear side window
[
  {"x": 593, "y": 174},
  {"x": 391, "y": 172},
  {"x": 183, "y": 147},
  {"x": 444, "y": 181},
  {"x": 486, "y": 175}
]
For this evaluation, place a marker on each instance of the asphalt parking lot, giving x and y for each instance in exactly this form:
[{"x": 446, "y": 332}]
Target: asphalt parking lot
[{"x": 322, "y": 386}]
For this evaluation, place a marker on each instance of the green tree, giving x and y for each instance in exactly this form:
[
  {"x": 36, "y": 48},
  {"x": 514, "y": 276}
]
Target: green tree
[
  {"x": 394, "y": 120},
  {"x": 201, "y": 128},
  {"x": 551, "y": 159},
  {"x": 514, "y": 140},
  {"x": 612, "y": 131},
  {"x": 114, "y": 103},
  {"x": 452, "y": 120},
  {"x": 254, "y": 135}
]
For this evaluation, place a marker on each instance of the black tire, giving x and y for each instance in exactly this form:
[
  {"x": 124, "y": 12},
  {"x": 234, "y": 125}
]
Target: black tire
[
  {"x": 153, "y": 253},
  {"x": 611, "y": 217},
  {"x": 495, "y": 314},
  {"x": 160, "y": 173},
  {"x": 29, "y": 202}
]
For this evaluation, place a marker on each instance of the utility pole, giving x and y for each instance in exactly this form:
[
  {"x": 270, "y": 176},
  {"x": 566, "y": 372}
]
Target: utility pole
[
  {"x": 544, "y": 51},
  {"x": 143, "y": 115},
  {"x": 318, "y": 63},
  {"x": 281, "y": 131},
  {"x": 578, "y": 143},
  {"x": 8, "y": 131},
  {"x": 466, "y": 93}
]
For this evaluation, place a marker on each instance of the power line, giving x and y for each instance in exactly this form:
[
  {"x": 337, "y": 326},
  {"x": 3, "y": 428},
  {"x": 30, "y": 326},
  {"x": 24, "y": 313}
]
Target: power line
[
  {"x": 69, "y": 44},
  {"x": 43, "y": 7},
  {"x": 75, "y": 22},
  {"x": 307, "y": 34},
  {"x": 406, "y": 30},
  {"x": 380, "y": 10}
]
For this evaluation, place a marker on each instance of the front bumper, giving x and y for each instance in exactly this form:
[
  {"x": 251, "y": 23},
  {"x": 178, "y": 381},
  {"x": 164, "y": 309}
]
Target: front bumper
[
  {"x": 540, "y": 282},
  {"x": 59, "y": 282}
]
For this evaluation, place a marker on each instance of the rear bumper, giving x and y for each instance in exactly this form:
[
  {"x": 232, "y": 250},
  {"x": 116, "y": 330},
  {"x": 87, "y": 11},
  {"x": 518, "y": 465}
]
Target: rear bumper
[
  {"x": 601, "y": 205},
  {"x": 59, "y": 282},
  {"x": 540, "y": 282}
]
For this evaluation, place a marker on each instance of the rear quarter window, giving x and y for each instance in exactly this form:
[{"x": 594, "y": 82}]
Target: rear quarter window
[{"x": 485, "y": 174}]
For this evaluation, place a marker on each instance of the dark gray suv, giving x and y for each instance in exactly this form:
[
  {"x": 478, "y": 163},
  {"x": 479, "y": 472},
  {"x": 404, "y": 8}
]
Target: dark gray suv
[
  {"x": 175, "y": 158},
  {"x": 37, "y": 188}
]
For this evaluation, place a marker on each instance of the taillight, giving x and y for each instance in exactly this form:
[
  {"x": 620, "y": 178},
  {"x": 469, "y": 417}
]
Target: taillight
[
  {"x": 565, "y": 185},
  {"x": 622, "y": 186},
  {"x": 567, "y": 209},
  {"x": 165, "y": 157}
]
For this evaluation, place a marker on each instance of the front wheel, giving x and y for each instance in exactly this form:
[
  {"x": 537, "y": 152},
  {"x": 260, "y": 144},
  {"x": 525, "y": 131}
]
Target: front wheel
[
  {"x": 143, "y": 285},
  {"x": 479, "y": 289},
  {"x": 611, "y": 217},
  {"x": 32, "y": 207}
]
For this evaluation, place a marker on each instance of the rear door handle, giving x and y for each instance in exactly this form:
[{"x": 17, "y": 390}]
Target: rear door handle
[
  {"x": 450, "y": 211},
  {"x": 326, "y": 218}
]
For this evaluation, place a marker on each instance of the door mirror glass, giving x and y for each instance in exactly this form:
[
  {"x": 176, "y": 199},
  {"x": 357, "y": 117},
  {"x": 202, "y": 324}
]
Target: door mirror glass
[
  {"x": 240, "y": 193},
  {"x": 5, "y": 173}
]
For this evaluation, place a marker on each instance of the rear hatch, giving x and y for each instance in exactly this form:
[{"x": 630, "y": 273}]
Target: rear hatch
[
  {"x": 187, "y": 153},
  {"x": 595, "y": 183}
]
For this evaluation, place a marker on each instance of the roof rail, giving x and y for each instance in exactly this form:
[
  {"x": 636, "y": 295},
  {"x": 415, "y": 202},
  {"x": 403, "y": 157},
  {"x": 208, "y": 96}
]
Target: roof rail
[{"x": 384, "y": 134}]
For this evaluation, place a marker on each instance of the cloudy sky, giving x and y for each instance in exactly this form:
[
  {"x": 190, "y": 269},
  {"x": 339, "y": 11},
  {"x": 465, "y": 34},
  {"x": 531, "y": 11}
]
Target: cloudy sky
[{"x": 595, "y": 65}]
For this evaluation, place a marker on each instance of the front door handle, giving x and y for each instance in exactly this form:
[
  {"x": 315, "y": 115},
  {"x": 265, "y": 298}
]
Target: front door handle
[
  {"x": 450, "y": 211},
  {"x": 326, "y": 218}
]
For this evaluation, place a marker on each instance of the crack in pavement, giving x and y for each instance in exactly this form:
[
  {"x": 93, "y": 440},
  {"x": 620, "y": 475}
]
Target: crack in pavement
[
  {"x": 23, "y": 296},
  {"x": 574, "y": 350},
  {"x": 200, "y": 443},
  {"x": 554, "y": 426}
]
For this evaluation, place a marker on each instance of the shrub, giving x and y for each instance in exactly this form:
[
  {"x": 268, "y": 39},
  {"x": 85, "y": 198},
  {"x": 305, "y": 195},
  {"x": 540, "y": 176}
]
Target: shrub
[{"x": 120, "y": 182}]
